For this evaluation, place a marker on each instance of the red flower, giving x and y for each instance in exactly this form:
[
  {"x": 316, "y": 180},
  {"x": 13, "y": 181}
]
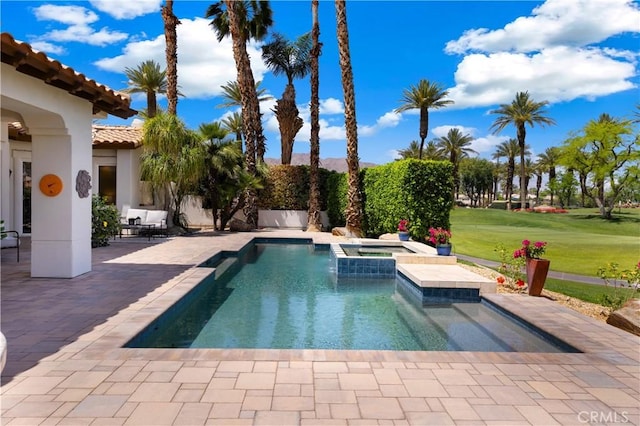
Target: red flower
[
  {"x": 520, "y": 283},
  {"x": 526, "y": 243},
  {"x": 500, "y": 280}
]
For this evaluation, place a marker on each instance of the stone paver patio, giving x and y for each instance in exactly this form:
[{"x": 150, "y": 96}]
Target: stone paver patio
[{"x": 66, "y": 364}]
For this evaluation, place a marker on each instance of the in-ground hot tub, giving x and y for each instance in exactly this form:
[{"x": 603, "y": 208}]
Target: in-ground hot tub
[{"x": 370, "y": 258}]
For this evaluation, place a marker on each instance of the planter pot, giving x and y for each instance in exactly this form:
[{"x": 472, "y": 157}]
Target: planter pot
[
  {"x": 537, "y": 270},
  {"x": 403, "y": 236},
  {"x": 443, "y": 249}
]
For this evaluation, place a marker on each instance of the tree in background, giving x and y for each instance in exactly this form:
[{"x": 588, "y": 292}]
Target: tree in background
[
  {"x": 233, "y": 124},
  {"x": 538, "y": 171},
  {"x": 456, "y": 146},
  {"x": 424, "y": 96},
  {"x": 548, "y": 161},
  {"x": 565, "y": 185},
  {"x": 224, "y": 181},
  {"x": 609, "y": 152},
  {"x": 314, "y": 224},
  {"x": 233, "y": 98},
  {"x": 244, "y": 20},
  {"x": 521, "y": 111},
  {"x": 291, "y": 59},
  {"x": 354, "y": 210},
  {"x": 476, "y": 179},
  {"x": 171, "y": 49},
  {"x": 509, "y": 150},
  {"x": 172, "y": 159},
  {"x": 149, "y": 79}
]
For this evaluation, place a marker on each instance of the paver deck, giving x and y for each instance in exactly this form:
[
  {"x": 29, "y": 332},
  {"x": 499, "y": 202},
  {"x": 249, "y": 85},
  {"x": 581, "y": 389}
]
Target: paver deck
[{"x": 66, "y": 364}]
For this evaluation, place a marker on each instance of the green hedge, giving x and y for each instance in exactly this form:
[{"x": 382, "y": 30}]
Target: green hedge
[
  {"x": 287, "y": 188},
  {"x": 337, "y": 185},
  {"x": 416, "y": 190}
]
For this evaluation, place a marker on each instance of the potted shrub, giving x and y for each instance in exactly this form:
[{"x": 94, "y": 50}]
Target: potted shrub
[
  {"x": 441, "y": 239},
  {"x": 536, "y": 267}
]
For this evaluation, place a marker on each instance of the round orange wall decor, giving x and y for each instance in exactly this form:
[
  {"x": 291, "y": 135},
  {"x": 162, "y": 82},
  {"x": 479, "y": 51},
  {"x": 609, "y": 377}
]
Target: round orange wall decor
[{"x": 51, "y": 185}]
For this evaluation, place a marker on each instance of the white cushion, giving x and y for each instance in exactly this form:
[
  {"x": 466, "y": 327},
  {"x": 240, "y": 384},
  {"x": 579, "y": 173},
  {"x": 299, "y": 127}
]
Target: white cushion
[
  {"x": 156, "y": 217},
  {"x": 137, "y": 213}
]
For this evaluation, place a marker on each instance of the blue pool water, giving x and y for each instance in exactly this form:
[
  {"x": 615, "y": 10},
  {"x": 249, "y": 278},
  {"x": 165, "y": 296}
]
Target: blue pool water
[{"x": 285, "y": 296}]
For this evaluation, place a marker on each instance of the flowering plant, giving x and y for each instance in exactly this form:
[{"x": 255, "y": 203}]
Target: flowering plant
[
  {"x": 531, "y": 251},
  {"x": 439, "y": 236},
  {"x": 403, "y": 225}
]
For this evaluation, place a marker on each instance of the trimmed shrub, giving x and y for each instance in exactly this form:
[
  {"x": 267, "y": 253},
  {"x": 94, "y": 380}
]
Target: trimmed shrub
[
  {"x": 416, "y": 190},
  {"x": 105, "y": 221},
  {"x": 337, "y": 185},
  {"x": 287, "y": 188}
]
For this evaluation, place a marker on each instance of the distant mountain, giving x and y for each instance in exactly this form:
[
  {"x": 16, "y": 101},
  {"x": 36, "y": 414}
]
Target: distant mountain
[{"x": 337, "y": 164}]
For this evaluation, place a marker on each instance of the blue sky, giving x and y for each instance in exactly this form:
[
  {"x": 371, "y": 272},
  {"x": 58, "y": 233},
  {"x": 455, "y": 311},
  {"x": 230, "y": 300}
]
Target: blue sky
[{"x": 581, "y": 56}]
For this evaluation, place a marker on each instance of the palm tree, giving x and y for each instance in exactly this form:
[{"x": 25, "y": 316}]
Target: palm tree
[
  {"x": 424, "y": 96},
  {"x": 456, "y": 146},
  {"x": 147, "y": 78},
  {"x": 314, "y": 224},
  {"x": 413, "y": 151},
  {"x": 171, "y": 36},
  {"x": 538, "y": 169},
  {"x": 521, "y": 111},
  {"x": 508, "y": 150},
  {"x": 233, "y": 124},
  {"x": 232, "y": 97},
  {"x": 291, "y": 59},
  {"x": 173, "y": 159},
  {"x": 353, "y": 212},
  {"x": 548, "y": 160},
  {"x": 223, "y": 182},
  {"x": 244, "y": 20}
]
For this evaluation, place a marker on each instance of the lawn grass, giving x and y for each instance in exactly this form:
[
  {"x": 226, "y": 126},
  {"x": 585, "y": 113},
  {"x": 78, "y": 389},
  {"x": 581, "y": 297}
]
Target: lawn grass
[
  {"x": 578, "y": 242},
  {"x": 589, "y": 292}
]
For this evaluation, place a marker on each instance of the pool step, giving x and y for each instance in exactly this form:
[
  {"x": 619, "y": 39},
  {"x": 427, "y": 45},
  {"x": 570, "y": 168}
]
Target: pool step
[
  {"x": 424, "y": 259},
  {"x": 446, "y": 276},
  {"x": 224, "y": 265}
]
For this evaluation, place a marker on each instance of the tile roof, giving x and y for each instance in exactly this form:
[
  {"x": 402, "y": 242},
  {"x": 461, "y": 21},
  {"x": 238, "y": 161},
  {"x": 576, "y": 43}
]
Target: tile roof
[
  {"x": 36, "y": 64},
  {"x": 114, "y": 137}
]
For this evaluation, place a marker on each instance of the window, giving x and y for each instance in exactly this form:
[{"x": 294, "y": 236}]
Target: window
[{"x": 107, "y": 183}]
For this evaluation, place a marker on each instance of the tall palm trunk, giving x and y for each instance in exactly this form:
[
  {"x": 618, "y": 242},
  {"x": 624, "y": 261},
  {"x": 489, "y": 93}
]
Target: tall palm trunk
[
  {"x": 509, "y": 184},
  {"x": 250, "y": 109},
  {"x": 552, "y": 176},
  {"x": 424, "y": 128},
  {"x": 538, "y": 186},
  {"x": 353, "y": 211},
  {"x": 314, "y": 224},
  {"x": 171, "y": 50},
  {"x": 290, "y": 124},
  {"x": 152, "y": 105},
  {"x": 522, "y": 133}
]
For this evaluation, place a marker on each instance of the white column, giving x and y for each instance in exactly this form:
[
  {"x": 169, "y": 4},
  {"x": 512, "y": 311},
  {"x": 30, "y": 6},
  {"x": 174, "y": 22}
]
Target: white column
[
  {"x": 128, "y": 178},
  {"x": 61, "y": 230},
  {"x": 5, "y": 176}
]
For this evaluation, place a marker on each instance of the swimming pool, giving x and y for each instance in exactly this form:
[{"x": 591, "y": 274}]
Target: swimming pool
[{"x": 285, "y": 296}]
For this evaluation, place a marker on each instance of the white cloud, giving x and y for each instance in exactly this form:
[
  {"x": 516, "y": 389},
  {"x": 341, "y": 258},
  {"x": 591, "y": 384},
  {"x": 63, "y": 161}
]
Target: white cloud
[
  {"x": 554, "y": 23},
  {"x": 48, "y": 48},
  {"x": 556, "y": 74},
  {"x": 394, "y": 154},
  {"x": 70, "y": 15},
  {"x": 126, "y": 9},
  {"x": 331, "y": 106},
  {"x": 389, "y": 119},
  {"x": 78, "y": 19},
  {"x": 204, "y": 64},
  {"x": 86, "y": 34},
  {"x": 550, "y": 53}
]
